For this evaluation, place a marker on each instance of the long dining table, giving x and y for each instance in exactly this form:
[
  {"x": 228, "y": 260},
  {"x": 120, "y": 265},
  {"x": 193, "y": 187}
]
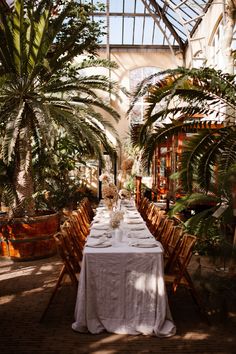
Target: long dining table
[{"x": 121, "y": 287}]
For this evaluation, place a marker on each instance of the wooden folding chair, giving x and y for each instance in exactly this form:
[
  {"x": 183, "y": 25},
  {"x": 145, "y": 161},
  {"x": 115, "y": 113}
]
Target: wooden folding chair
[
  {"x": 178, "y": 275},
  {"x": 149, "y": 213},
  {"x": 85, "y": 201},
  {"x": 172, "y": 244},
  {"x": 70, "y": 267},
  {"x": 85, "y": 213},
  {"x": 142, "y": 205},
  {"x": 160, "y": 227},
  {"x": 82, "y": 224},
  {"x": 166, "y": 233},
  {"x": 75, "y": 238},
  {"x": 156, "y": 218}
]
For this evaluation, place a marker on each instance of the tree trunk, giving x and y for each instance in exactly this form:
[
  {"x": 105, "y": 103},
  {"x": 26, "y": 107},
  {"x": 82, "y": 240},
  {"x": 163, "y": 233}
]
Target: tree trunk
[
  {"x": 23, "y": 178},
  {"x": 229, "y": 22}
]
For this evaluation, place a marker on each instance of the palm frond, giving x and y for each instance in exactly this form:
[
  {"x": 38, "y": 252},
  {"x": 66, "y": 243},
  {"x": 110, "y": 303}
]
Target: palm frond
[
  {"x": 202, "y": 222},
  {"x": 11, "y": 133},
  {"x": 7, "y": 41},
  {"x": 97, "y": 62},
  {"x": 42, "y": 121},
  {"x": 189, "y": 158},
  {"x": 98, "y": 103},
  {"x": 18, "y": 28},
  {"x": 39, "y": 46}
]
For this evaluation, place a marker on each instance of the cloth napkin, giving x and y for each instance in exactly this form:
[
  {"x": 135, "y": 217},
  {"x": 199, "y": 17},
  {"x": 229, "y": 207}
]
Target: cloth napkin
[
  {"x": 138, "y": 235},
  {"x": 137, "y": 227},
  {"x": 100, "y": 226},
  {"x": 144, "y": 244},
  {"x": 133, "y": 216},
  {"x": 134, "y": 221},
  {"x": 98, "y": 243},
  {"x": 97, "y": 233}
]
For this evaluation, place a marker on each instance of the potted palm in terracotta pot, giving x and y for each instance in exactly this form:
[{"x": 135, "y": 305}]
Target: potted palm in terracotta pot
[{"x": 41, "y": 94}]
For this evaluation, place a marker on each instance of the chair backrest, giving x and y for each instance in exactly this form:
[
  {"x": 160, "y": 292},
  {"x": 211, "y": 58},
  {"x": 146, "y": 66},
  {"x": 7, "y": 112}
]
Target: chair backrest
[
  {"x": 81, "y": 222},
  {"x": 182, "y": 255},
  {"x": 150, "y": 213},
  {"x": 174, "y": 239},
  {"x": 85, "y": 201},
  {"x": 76, "y": 243},
  {"x": 143, "y": 204},
  {"x": 71, "y": 263},
  {"x": 160, "y": 227},
  {"x": 166, "y": 233},
  {"x": 156, "y": 219},
  {"x": 80, "y": 230},
  {"x": 84, "y": 214},
  {"x": 73, "y": 248}
]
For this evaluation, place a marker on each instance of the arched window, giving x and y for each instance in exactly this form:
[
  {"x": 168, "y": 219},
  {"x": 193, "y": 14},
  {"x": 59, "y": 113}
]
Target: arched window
[
  {"x": 216, "y": 45},
  {"x": 135, "y": 77}
]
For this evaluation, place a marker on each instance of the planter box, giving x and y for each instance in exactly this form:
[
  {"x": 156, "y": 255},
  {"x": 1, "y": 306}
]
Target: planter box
[{"x": 29, "y": 238}]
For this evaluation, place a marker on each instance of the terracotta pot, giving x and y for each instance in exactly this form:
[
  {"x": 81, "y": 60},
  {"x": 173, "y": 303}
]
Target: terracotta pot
[{"x": 29, "y": 238}]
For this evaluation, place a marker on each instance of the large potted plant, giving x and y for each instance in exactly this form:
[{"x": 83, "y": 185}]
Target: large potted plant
[
  {"x": 42, "y": 93},
  {"x": 208, "y": 161}
]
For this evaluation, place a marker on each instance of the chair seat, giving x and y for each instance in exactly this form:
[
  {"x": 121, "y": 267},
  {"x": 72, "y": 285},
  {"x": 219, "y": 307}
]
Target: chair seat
[{"x": 171, "y": 278}]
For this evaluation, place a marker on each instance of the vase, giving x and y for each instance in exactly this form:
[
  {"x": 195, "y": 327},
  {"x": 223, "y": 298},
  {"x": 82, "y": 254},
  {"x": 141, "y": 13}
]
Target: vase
[{"x": 116, "y": 235}]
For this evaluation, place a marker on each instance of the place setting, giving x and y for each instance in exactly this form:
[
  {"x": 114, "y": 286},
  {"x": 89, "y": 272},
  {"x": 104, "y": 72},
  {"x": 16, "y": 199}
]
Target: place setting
[
  {"x": 147, "y": 243},
  {"x": 99, "y": 243}
]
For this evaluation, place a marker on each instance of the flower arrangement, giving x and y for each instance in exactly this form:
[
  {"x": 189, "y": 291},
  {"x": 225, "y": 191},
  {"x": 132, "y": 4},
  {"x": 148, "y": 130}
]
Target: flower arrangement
[
  {"x": 105, "y": 178},
  {"x": 127, "y": 164},
  {"x": 109, "y": 191},
  {"x": 124, "y": 194},
  {"x": 116, "y": 218},
  {"x": 109, "y": 194}
]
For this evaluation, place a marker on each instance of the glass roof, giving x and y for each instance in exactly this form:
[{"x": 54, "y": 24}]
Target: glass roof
[{"x": 150, "y": 22}]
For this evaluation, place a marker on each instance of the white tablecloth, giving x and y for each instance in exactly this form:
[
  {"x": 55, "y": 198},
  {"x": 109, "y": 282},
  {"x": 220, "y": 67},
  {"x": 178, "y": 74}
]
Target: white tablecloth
[{"x": 121, "y": 290}]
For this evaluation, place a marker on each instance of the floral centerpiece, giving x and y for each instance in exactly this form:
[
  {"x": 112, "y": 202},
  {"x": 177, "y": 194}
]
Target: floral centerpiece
[
  {"x": 124, "y": 194},
  {"x": 105, "y": 178},
  {"x": 109, "y": 191},
  {"x": 127, "y": 165},
  {"x": 116, "y": 217}
]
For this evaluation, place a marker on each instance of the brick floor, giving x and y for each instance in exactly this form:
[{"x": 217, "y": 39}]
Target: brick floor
[{"x": 26, "y": 286}]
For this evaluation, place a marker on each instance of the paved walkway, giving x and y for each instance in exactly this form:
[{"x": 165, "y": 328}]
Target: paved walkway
[{"x": 26, "y": 286}]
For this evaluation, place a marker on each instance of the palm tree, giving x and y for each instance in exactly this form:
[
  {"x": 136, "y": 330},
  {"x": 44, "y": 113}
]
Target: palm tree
[
  {"x": 42, "y": 90},
  {"x": 174, "y": 100}
]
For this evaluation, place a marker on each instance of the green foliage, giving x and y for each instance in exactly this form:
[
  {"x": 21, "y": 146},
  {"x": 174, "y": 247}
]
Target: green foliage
[
  {"x": 7, "y": 193},
  {"x": 174, "y": 101},
  {"x": 130, "y": 184},
  {"x": 44, "y": 91},
  {"x": 58, "y": 183}
]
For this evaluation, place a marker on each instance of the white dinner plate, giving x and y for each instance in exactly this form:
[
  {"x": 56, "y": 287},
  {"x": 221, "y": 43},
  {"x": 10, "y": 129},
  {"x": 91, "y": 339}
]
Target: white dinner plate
[
  {"x": 138, "y": 228},
  {"x": 100, "y": 245},
  {"x": 100, "y": 227},
  {"x": 138, "y": 236}
]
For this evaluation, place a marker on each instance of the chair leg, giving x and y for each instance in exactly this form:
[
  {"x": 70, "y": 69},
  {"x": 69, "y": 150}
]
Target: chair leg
[
  {"x": 196, "y": 298},
  {"x": 61, "y": 275}
]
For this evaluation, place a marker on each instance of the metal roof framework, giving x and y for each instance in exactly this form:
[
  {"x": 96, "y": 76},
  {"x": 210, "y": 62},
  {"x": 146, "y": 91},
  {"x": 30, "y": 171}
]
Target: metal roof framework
[{"x": 156, "y": 23}]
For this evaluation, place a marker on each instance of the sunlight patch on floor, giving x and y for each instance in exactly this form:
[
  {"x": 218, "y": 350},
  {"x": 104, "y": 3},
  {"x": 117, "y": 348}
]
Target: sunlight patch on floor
[
  {"x": 110, "y": 339},
  {"x": 17, "y": 273},
  {"x": 32, "y": 291},
  {"x": 44, "y": 269},
  {"x": 6, "y": 299},
  {"x": 196, "y": 336}
]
